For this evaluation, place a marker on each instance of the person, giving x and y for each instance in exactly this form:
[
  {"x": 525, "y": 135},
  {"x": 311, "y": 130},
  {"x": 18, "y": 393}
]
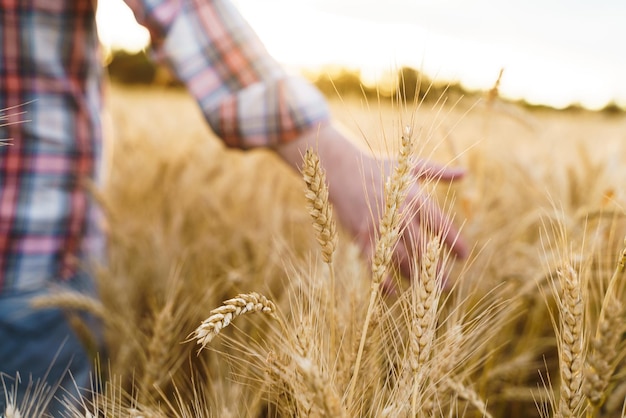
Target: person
[{"x": 50, "y": 74}]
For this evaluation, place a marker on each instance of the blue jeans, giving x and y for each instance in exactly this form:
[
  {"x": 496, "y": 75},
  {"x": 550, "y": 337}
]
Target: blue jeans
[{"x": 42, "y": 360}]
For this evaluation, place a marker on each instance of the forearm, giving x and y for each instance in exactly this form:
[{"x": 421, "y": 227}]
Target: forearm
[
  {"x": 349, "y": 171},
  {"x": 324, "y": 139}
]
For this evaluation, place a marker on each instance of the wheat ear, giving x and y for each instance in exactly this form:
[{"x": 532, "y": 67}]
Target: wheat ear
[
  {"x": 319, "y": 207},
  {"x": 282, "y": 373},
  {"x": 158, "y": 350},
  {"x": 469, "y": 395},
  {"x": 426, "y": 292},
  {"x": 321, "y": 211},
  {"x": 222, "y": 316},
  {"x": 324, "y": 394},
  {"x": 396, "y": 190},
  {"x": 602, "y": 359},
  {"x": 441, "y": 368},
  {"x": 571, "y": 341}
]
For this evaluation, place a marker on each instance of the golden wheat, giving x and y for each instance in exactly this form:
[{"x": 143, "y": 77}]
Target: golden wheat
[
  {"x": 321, "y": 211},
  {"x": 319, "y": 207},
  {"x": 157, "y": 356},
  {"x": 324, "y": 394},
  {"x": 182, "y": 209},
  {"x": 424, "y": 308},
  {"x": 602, "y": 359},
  {"x": 396, "y": 190},
  {"x": 222, "y": 316},
  {"x": 571, "y": 342},
  {"x": 506, "y": 204}
]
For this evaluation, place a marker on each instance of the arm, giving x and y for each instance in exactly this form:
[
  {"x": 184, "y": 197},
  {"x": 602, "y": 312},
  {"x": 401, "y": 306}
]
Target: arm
[
  {"x": 356, "y": 182},
  {"x": 249, "y": 100}
]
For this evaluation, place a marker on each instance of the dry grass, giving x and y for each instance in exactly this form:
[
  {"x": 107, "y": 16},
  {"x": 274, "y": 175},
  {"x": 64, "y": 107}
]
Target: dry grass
[{"x": 192, "y": 224}]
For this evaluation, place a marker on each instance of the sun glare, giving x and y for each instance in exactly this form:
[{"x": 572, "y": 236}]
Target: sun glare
[
  {"x": 118, "y": 28},
  {"x": 311, "y": 37}
]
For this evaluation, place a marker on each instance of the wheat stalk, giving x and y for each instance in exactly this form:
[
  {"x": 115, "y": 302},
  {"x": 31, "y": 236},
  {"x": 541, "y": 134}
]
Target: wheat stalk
[
  {"x": 602, "y": 359},
  {"x": 601, "y": 362},
  {"x": 469, "y": 395},
  {"x": 571, "y": 342},
  {"x": 614, "y": 282},
  {"x": 445, "y": 362},
  {"x": 319, "y": 207},
  {"x": 323, "y": 392},
  {"x": 158, "y": 350},
  {"x": 222, "y": 316},
  {"x": 321, "y": 211},
  {"x": 425, "y": 296},
  {"x": 282, "y": 372},
  {"x": 396, "y": 190}
]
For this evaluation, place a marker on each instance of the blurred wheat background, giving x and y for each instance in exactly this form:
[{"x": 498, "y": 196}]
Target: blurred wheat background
[
  {"x": 229, "y": 291},
  {"x": 533, "y": 325}
]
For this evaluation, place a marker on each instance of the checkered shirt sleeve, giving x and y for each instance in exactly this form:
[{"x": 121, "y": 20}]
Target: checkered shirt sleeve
[{"x": 248, "y": 99}]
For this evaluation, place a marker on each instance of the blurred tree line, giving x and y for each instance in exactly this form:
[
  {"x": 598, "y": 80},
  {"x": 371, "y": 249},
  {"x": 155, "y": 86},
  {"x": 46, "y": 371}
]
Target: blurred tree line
[{"x": 407, "y": 84}]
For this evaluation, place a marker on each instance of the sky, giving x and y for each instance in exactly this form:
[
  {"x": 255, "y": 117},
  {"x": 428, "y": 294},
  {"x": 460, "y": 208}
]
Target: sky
[{"x": 553, "y": 52}]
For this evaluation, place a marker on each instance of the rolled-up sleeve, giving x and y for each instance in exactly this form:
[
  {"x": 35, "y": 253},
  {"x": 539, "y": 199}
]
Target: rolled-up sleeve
[{"x": 248, "y": 99}]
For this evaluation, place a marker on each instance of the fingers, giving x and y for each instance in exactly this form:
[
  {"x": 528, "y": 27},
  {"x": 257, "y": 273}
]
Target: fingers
[
  {"x": 428, "y": 220},
  {"x": 427, "y": 169},
  {"x": 422, "y": 218},
  {"x": 430, "y": 216},
  {"x": 411, "y": 252},
  {"x": 408, "y": 250}
]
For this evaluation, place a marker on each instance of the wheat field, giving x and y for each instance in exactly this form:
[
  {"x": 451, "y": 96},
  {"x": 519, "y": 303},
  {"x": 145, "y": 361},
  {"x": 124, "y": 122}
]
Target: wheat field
[{"x": 219, "y": 300}]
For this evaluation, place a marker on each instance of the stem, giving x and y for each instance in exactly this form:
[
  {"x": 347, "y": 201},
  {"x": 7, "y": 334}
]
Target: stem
[
  {"x": 331, "y": 310},
  {"x": 357, "y": 363}
]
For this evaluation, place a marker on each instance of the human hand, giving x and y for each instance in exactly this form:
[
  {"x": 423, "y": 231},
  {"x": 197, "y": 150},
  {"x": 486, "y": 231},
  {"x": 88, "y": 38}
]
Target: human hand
[{"x": 356, "y": 189}]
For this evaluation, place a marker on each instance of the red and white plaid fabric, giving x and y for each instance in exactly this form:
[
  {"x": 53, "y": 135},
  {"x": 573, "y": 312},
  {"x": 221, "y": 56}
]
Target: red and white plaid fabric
[{"x": 50, "y": 69}]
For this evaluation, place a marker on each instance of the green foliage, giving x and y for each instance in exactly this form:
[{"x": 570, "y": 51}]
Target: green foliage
[
  {"x": 613, "y": 109},
  {"x": 408, "y": 85},
  {"x": 139, "y": 69},
  {"x": 131, "y": 68}
]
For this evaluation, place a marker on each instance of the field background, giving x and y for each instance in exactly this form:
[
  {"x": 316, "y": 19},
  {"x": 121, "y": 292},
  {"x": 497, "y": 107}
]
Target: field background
[{"x": 193, "y": 224}]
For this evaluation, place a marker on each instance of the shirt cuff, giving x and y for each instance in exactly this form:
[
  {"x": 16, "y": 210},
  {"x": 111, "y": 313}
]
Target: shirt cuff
[
  {"x": 268, "y": 113},
  {"x": 248, "y": 99}
]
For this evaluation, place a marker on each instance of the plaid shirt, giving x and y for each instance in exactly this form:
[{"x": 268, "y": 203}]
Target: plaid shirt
[{"x": 50, "y": 74}]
